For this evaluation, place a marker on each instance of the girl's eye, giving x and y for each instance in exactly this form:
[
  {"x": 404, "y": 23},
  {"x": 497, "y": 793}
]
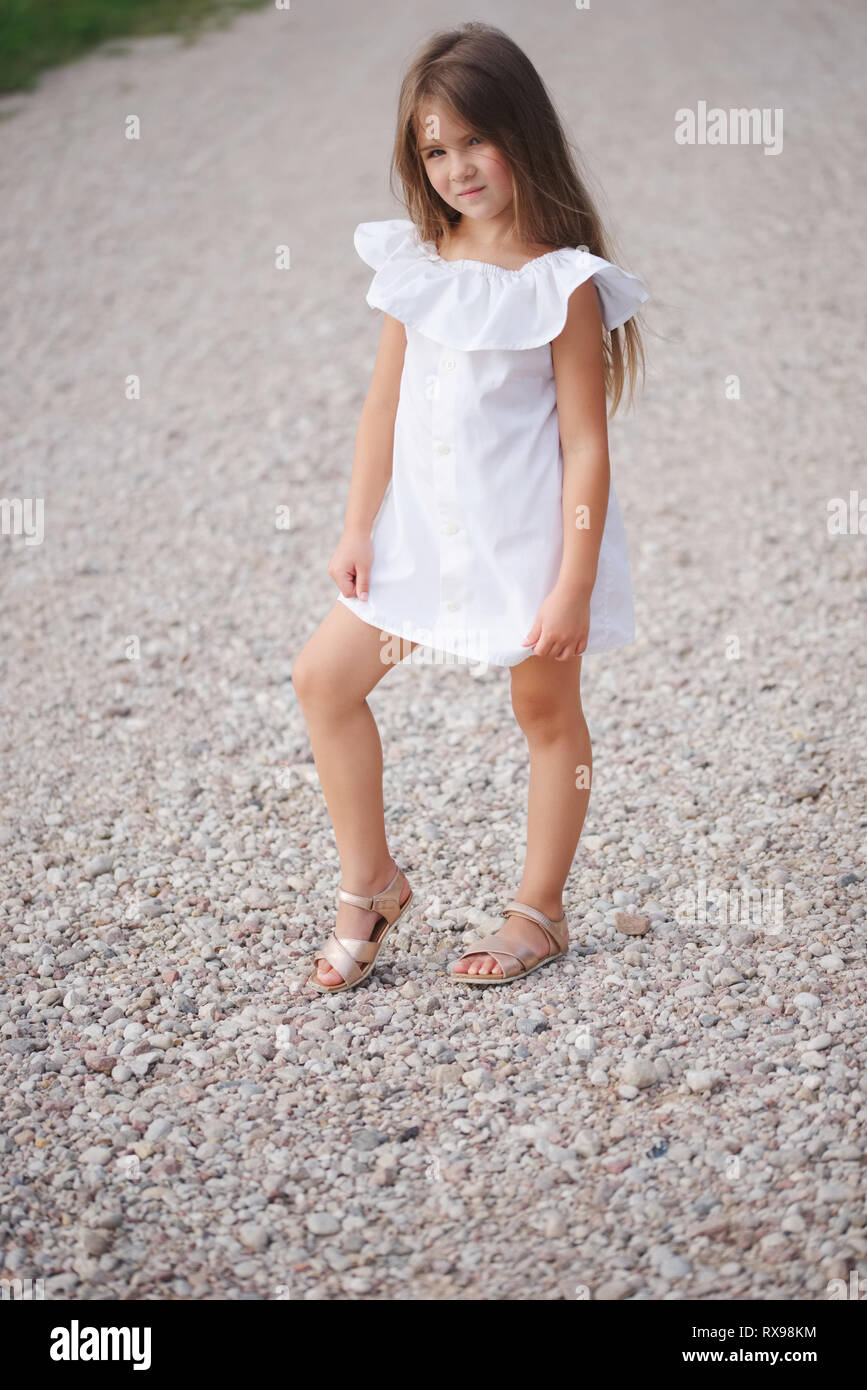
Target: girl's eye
[{"x": 431, "y": 153}]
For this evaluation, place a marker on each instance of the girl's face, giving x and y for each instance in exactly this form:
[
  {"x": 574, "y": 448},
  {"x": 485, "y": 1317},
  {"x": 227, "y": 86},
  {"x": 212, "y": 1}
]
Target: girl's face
[{"x": 467, "y": 171}]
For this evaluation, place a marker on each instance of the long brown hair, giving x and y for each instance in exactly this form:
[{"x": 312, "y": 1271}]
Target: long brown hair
[{"x": 490, "y": 83}]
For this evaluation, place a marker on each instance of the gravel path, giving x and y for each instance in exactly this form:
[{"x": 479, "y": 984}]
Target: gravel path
[{"x": 673, "y": 1115}]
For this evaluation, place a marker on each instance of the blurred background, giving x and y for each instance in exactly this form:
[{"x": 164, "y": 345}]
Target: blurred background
[
  {"x": 35, "y": 36},
  {"x": 184, "y": 354}
]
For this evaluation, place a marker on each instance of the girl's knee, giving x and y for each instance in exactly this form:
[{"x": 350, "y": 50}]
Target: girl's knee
[
  {"x": 311, "y": 677},
  {"x": 546, "y": 713},
  {"x": 324, "y": 679}
]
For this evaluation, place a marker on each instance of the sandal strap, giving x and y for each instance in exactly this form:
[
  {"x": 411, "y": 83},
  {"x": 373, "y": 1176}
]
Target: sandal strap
[
  {"x": 342, "y": 952},
  {"x": 387, "y": 902},
  {"x": 521, "y": 954},
  {"x": 557, "y": 932}
]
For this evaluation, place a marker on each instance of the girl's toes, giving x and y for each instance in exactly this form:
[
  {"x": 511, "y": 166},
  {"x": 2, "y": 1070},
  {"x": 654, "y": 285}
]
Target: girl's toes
[{"x": 328, "y": 976}]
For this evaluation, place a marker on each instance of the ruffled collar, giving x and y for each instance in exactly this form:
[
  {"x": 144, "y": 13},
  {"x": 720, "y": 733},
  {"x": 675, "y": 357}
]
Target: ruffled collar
[
  {"x": 470, "y": 305},
  {"x": 428, "y": 250}
]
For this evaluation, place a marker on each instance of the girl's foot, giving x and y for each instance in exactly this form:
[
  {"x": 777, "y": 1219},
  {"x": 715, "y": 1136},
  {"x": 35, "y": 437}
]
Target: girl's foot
[
  {"x": 357, "y": 922},
  {"x": 515, "y": 931}
]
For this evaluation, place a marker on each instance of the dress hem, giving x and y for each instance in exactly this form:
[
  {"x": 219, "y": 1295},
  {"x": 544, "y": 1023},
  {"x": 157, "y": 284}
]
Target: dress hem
[{"x": 404, "y": 629}]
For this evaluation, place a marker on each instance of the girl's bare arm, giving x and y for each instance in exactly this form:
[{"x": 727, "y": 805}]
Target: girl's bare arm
[
  {"x": 582, "y": 412},
  {"x": 374, "y": 439},
  {"x": 351, "y": 562},
  {"x": 562, "y": 625}
]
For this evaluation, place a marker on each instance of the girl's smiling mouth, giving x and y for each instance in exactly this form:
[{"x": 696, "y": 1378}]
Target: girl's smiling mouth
[{"x": 468, "y": 192}]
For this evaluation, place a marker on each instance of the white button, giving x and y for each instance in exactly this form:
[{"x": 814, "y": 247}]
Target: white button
[
  {"x": 444, "y": 448},
  {"x": 453, "y": 607},
  {"x": 448, "y": 364},
  {"x": 449, "y": 528}
]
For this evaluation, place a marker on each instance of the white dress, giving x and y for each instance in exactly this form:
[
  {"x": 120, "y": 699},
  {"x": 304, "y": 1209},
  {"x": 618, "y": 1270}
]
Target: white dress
[{"x": 468, "y": 539}]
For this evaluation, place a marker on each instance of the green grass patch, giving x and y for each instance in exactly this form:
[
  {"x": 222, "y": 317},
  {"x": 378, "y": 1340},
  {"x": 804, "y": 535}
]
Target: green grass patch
[{"x": 39, "y": 34}]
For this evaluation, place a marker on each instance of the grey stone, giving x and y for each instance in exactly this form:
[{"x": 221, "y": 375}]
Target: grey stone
[
  {"x": 322, "y": 1223},
  {"x": 367, "y": 1139}
]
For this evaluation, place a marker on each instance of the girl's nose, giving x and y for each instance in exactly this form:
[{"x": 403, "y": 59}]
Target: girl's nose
[{"x": 462, "y": 170}]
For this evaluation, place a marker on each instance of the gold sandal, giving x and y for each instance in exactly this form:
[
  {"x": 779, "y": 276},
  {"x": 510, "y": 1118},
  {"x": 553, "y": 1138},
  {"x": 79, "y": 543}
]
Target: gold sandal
[
  {"x": 524, "y": 957},
  {"x": 344, "y": 952}
]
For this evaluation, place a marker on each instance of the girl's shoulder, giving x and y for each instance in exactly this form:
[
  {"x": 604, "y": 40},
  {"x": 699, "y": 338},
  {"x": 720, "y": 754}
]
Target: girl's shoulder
[
  {"x": 375, "y": 242},
  {"x": 470, "y": 304}
]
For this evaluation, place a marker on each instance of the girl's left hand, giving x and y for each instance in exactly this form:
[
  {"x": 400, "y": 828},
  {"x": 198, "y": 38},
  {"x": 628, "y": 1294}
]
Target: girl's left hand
[{"x": 562, "y": 624}]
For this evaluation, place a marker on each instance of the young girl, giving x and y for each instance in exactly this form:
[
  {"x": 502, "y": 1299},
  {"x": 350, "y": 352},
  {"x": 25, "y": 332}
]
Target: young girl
[{"x": 481, "y": 521}]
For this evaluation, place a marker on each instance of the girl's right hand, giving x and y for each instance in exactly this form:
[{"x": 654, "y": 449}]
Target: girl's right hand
[{"x": 350, "y": 564}]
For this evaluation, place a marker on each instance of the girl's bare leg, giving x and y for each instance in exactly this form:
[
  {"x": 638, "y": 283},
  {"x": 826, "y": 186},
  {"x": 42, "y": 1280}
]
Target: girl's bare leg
[
  {"x": 546, "y": 698},
  {"x": 332, "y": 675}
]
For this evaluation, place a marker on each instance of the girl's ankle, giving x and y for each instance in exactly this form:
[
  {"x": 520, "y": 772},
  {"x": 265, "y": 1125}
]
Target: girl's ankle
[
  {"x": 368, "y": 884},
  {"x": 551, "y": 907}
]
